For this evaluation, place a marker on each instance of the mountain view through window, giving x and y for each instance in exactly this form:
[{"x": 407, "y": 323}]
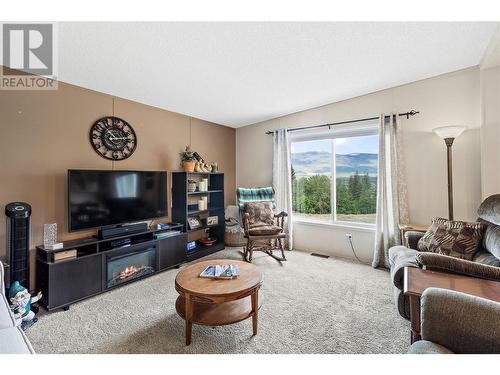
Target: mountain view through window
[{"x": 335, "y": 179}]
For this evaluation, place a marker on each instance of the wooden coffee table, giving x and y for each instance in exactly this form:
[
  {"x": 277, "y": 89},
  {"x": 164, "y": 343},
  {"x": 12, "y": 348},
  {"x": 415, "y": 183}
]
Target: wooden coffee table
[
  {"x": 418, "y": 280},
  {"x": 214, "y": 302}
]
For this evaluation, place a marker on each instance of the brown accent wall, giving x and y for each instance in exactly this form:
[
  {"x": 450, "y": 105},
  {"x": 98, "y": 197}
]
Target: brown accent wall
[{"x": 44, "y": 133}]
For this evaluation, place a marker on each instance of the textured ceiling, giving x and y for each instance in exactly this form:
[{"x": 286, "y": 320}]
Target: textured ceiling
[{"x": 237, "y": 74}]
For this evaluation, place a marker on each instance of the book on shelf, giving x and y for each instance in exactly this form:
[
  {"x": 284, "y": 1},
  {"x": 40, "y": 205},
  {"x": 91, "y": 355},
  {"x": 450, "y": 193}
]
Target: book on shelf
[
  {"x": 226, "y": 271},
  {"x": 161, "y": 226},
  {"x": 62, "y": 255}
]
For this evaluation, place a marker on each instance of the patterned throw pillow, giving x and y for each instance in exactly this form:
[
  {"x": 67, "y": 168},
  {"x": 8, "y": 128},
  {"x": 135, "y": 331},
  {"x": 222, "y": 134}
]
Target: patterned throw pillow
[
  {"x": 261, "y": 213},
  {"x": 458, "y": 239},
  {"x": 424, "y": 244}
]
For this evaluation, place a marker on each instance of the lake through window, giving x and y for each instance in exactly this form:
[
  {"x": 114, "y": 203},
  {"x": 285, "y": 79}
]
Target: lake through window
[{"x": 334, "y": 177}]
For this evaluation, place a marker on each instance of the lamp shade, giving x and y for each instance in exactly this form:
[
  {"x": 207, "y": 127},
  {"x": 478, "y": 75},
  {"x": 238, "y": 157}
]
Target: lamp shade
[{"x": 449, "y": 131}]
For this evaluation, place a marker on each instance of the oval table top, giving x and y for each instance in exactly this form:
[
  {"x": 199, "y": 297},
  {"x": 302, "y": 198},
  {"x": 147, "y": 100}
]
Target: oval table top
[{"x": 188, "y": 280}]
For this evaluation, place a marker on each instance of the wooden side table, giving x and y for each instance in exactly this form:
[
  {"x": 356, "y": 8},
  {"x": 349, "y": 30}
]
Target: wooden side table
[
  {"x": 403, "y": 228},
  {"x": 417, "y": 280}
]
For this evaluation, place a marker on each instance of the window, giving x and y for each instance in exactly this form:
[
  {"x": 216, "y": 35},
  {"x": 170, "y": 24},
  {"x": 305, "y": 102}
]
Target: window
[{"x": 334, "y": 175}]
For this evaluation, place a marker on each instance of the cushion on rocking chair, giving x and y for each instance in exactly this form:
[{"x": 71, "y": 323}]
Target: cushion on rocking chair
[
  {"x": 259, "y": 213},
  {"x": 264, "y": 230}
]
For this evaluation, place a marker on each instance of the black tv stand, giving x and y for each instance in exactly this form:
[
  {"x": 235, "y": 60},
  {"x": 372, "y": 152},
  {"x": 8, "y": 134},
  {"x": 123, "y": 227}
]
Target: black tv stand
[{"x": 96, "y": 264}]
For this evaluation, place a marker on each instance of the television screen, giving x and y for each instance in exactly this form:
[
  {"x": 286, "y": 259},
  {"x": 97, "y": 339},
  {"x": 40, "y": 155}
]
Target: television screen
[{"x": 104, "y": 198}]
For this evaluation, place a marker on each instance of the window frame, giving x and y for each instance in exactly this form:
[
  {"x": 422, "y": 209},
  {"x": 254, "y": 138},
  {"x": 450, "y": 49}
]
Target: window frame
[{"x": 345, "y": 131}]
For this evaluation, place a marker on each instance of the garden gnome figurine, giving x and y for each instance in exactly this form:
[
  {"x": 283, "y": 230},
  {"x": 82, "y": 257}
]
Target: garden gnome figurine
[{"x": 21, "y": 301}]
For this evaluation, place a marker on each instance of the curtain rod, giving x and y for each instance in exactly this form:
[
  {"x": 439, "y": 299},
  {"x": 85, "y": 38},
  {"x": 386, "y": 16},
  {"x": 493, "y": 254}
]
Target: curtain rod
[{"x": 407, "y": 114}]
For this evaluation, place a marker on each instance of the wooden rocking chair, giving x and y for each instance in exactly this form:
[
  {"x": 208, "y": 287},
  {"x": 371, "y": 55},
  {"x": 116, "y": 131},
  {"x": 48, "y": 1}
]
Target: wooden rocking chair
[{"x": 263, "y": 230}]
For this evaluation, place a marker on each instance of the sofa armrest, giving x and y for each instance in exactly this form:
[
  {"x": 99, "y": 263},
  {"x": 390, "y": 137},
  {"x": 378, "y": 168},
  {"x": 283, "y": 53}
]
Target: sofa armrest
[
  {"x": 412, "y": 238},
  {"x": 439, "y": 262},
  {"x": 399, "y": 258},
  {"x": 14, "y": 341},
  {"x": 2, "y": 279},
  {"x": 460, "y": 322}
]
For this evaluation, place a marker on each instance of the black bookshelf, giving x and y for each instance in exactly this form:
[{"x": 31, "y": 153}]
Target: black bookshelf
[{"x": 184, "y": 205}]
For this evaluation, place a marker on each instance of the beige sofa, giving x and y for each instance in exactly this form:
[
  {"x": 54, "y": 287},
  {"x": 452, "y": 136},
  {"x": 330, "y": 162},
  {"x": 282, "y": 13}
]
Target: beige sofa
[{"x": 12, "y": 338}]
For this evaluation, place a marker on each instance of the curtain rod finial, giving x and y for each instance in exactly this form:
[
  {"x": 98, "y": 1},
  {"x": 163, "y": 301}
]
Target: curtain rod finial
[{"x": 411, "y": 113}]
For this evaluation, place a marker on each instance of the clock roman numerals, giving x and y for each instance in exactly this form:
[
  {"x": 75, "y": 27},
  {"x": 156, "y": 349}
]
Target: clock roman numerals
[
  {"x": 101, "y": 126},
  {"x": 127, "y": 151},
  {"x": 113, "y": 138}
]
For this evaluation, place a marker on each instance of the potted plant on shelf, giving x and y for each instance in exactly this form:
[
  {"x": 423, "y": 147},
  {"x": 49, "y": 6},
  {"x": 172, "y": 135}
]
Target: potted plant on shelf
[{"x": 188, "y": 160}]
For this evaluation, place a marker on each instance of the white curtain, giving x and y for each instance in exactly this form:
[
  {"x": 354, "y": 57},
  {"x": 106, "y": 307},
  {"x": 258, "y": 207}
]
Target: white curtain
[
  {"x": 392, "y": 208},
  {"x": 282, "y": 181}
]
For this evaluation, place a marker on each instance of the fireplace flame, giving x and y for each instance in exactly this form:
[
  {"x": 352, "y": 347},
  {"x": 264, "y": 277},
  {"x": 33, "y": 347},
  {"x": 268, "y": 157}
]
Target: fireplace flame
[{"x": 128, "y": 271}]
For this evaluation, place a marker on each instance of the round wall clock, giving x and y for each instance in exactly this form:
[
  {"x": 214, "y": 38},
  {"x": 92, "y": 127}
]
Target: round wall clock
[{"x": 113, "y": 138}]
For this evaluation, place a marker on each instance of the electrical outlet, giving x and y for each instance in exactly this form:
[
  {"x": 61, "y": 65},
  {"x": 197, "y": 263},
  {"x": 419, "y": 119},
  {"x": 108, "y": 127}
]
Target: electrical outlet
[{"x": 349, "y": 236}]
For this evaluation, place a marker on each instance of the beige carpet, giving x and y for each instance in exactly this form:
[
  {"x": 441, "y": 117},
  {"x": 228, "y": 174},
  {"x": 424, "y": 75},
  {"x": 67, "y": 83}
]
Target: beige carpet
[{"x": 310, "y": 305}]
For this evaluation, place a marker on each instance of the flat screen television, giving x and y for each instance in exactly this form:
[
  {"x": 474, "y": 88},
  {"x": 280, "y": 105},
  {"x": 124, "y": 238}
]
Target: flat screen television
[{"x": 99, "y": 199}]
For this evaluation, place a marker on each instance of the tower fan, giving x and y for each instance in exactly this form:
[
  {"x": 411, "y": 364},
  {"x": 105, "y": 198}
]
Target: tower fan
[{"x": 18, "y": 241}]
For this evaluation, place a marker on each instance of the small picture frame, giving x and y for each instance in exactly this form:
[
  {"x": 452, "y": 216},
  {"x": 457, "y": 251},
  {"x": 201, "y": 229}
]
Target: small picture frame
[
  {"x": 212, "y": 220},
  {"x": 194, "y": 223}
]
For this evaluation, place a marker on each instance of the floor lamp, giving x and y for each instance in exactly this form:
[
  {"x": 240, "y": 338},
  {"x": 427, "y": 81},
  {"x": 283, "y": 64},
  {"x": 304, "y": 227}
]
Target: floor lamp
[{"x": 449, "y": 133}]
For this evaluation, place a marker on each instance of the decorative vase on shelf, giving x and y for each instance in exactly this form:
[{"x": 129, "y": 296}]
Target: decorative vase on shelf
[
  {"x": 203, "y": 185},
  {"x": 202, "y": 205},
  {"x": 191, "y": 186}
]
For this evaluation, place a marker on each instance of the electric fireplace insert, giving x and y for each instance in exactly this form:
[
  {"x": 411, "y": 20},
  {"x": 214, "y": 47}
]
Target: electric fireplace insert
[{"x": 129, "y": 266}]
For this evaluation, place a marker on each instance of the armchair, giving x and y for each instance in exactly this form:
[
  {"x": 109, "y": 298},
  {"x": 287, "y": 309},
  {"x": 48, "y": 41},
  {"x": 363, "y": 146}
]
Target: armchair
[{"x": 454, "y": 322}]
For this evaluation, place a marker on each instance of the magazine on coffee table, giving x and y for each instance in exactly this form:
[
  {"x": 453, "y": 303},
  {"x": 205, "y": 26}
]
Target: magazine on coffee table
[{"x": 226, "y": 271}]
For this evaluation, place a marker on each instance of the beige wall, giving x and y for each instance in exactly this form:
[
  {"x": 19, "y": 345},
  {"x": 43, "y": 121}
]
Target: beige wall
[
  {"x": 490, "y": 118},
  {"x": 490, "y": 131},
  {"x": 450, "y": 99},
  {"x": 43, "y": 133}
]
